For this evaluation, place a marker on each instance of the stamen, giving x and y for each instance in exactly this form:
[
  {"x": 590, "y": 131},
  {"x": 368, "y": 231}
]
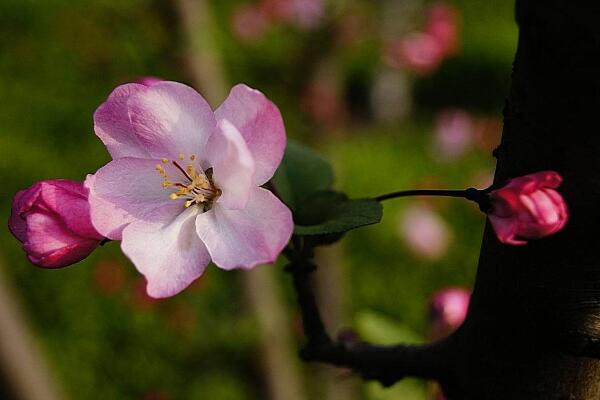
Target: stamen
[
  {"x": 182, "y": 170},
  {"x": 192, "y": 157},
  {"x": 181, "y": 156},
  {"x": 164, "y": 160}
]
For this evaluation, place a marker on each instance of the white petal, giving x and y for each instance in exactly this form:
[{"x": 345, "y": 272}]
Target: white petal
[
  {"x": 245, "y": 238},
  {"x": 170, "y": 256}
]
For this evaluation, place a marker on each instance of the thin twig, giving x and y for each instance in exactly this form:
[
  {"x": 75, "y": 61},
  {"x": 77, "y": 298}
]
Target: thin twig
[{"x": 386, "y": 364}]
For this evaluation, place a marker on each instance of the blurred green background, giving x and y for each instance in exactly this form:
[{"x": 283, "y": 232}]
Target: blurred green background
[{"x": 379, "y": 126}]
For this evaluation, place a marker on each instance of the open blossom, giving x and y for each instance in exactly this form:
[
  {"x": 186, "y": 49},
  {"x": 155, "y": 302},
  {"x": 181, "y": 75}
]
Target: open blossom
[
  {"x": 52, "y": 220},
  {"x": 184, "y": 184},
  {"x": 528, "y": 207}
]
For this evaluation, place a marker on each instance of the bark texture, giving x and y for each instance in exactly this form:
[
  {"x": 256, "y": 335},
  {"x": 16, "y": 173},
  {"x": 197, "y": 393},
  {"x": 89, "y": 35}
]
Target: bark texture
[{"x": 534, "y": 324}]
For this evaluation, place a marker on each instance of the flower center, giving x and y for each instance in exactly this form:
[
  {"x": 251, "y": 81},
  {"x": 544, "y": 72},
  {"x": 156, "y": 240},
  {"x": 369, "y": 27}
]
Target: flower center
[{"x": 195, "y": 187}]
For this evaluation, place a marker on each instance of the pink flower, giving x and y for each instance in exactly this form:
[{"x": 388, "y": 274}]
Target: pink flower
[
  {"x": 442, "y": 24},
  {"x": 528, "y": 207},
  {"x": 425, "y": 232},
  {"x": 448, "y": 309},
  {"x": 248, "y": 23},
  {"x": 184, "y": 184},
  {"x": 52, "y": 220},
  {"x": 308, "y": 13},
  {"x": 454, "y": 133},
  {"x": 418, "y": 52}
]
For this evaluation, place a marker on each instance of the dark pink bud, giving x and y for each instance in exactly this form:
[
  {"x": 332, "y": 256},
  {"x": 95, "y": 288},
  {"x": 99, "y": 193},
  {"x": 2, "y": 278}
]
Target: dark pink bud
[
  {"x": 448, "y": 309},
  {"x": 52, "y": 220},
  {"x": 528, "y": 207}
]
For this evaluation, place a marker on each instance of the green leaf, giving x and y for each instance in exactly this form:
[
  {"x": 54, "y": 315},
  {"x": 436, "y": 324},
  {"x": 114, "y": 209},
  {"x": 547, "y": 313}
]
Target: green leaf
[
  {"x": 328, "y": 213},
  {"x": 301, "y": 174}
]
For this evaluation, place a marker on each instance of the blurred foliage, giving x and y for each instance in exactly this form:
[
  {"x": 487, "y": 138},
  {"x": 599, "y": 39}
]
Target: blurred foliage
[{"x": 59, "y": 61}]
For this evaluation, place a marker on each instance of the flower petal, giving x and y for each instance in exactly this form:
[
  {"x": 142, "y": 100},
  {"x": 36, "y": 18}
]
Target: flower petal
[
  {"x": 112, "y": 125},
  {"x": 505, "y": 229},
  {"x": 170, "y": 256},
  {"x": 69, "y": 200},
  {"x": 233, "y": 166},
  {"x": 50, "y": 244},
  {"x": 260, "y": 123},
  {"x": 21, "y": 202},
  {"x": 170, "y": 118},
  {"x": 130, "y": 189},
  {"x": 245, "y": 238}
]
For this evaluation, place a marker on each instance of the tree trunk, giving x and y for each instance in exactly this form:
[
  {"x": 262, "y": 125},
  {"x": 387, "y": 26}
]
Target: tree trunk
[{"x": 534, "y": 324}]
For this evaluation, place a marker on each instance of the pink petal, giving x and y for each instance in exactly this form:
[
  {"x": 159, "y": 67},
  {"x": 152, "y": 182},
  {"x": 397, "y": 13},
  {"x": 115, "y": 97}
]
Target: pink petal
[
  {"x": 170, "y": 256},
  {"x": 106, "y": 218},
  {"x": 260, "y": 123},
  {"x": 50, "y": 244},
  {"x": 233, "y": 166},
  {"x": 130, "y": 189},
  {"x": 170, "y": 118},
  {"x": 69, "y": 200},
  {"x": 17, "y": 224},
  {"x": 112, "y": 125},
  {"x": 505, "y": 229},
  {"x": 245, "y": 238}
]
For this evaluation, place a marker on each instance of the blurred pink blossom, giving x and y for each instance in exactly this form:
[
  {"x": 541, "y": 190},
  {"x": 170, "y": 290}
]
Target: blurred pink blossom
[
  {"x": 322, "y": 102},
  {"x": 442, "y": 22},
  {"x": 248, "y": 23},
  {"x": 423, "y": 51},
  {"x": 528, "y": 207},
  {"x": 424, "y": 231},
  {"x": 448, "y": 309},
  {"x": 418, "y": 52},
  {"x": 454, "y": 133},
  {"x": 52, "y": 221},
  {"x": 306, "y": 14}
]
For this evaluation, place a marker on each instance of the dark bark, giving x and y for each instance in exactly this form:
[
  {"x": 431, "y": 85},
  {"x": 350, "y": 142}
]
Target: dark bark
[{"x": 533, "y": 328}]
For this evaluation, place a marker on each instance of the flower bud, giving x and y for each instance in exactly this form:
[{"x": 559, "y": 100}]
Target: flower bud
[
  {"x": 528, "y": 207},
  {"x": 52, "y": 220}
]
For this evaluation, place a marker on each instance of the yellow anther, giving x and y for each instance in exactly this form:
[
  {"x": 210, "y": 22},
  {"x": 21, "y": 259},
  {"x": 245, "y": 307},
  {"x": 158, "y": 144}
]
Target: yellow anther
[
  {"x": 159, "y": 168},
  {"x": 173, "y": 196},
  {"x": 164, "y": 160},
  {"x": 193, "y": 157},
  {"x": 181, "y": 156},
  {"x": 189, "y": 203},
  {"x": 166, "y": 184}
]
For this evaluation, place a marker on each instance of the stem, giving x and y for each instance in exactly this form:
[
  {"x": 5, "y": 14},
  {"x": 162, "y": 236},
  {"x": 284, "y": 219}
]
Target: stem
[
  {"x": 386, "y": 364},
  {"x": 423, "y": 192},
  {"x": 479, "y": 196}
]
